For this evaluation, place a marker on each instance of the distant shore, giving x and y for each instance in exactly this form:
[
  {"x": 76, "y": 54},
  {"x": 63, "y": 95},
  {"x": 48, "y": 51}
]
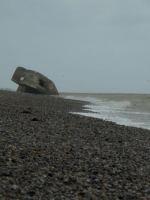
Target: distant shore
[{"x": 48, "y": 153}]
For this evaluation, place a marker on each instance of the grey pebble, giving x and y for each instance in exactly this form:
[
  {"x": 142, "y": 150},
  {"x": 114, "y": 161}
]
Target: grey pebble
[{"x": 59, "y": 155}]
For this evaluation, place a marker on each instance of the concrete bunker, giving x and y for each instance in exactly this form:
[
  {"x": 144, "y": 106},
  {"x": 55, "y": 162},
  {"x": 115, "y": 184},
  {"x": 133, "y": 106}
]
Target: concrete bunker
[{"x": 30, "y": 81}]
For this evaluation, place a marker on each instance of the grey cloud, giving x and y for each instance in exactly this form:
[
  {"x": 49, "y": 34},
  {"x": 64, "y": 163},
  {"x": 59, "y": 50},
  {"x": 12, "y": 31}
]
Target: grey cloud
[{"x": 84, "y": 46}]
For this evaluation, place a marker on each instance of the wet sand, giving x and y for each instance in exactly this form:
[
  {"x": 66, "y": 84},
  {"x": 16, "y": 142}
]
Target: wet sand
[{"x": 48, "y": 153}]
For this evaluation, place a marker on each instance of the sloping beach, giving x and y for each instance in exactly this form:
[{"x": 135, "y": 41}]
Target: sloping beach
[{"x": 48, "y": 153}]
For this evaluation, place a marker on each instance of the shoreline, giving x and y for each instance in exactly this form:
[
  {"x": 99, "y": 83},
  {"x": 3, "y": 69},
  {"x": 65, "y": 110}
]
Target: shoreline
[
  {"x": 91, "y": 104},
  {"x": 49, "y": 153}
]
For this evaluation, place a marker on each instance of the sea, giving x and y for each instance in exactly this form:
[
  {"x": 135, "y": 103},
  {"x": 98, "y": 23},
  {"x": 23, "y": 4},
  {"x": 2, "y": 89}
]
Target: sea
[{"x": 124, "y": 109}]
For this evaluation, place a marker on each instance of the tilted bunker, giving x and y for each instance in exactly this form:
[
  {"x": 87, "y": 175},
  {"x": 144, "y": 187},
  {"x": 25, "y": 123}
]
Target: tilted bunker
[{"x": 30, "y": 81}]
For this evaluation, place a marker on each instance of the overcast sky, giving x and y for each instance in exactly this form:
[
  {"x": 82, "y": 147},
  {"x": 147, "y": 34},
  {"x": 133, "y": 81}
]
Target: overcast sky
[{"x": 82, "y": 45}]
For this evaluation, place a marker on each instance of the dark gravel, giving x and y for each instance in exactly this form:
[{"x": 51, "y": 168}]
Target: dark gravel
[{"x": 47, "y": 153}]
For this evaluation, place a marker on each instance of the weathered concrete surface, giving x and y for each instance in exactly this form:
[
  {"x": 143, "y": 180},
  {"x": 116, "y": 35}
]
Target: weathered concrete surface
[{"x": 30, "y": 81}]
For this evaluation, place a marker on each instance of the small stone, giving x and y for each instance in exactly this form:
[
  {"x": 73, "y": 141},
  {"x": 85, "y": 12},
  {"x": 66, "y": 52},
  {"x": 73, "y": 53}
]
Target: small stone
[
  {"x": 34, "y": 119},
  {"x": 26, "y": 111},
  {"x": 27, "y": 197},
  {"x": 14, "y": 187},
  {"x": 103, "y": 194}
]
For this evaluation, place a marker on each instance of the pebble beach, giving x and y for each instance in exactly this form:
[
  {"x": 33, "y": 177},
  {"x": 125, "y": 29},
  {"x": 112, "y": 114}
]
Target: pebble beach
[{"x": 48, "y": 153}]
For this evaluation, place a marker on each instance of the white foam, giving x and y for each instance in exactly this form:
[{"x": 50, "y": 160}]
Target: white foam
[
  {"x": 116, "y": 119},
  {"x": 96, "y": 101},
  {"x": 87, "y": 99},
  {"x": 100, "y": 109},
  {"x": 120, "y": 112}
]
